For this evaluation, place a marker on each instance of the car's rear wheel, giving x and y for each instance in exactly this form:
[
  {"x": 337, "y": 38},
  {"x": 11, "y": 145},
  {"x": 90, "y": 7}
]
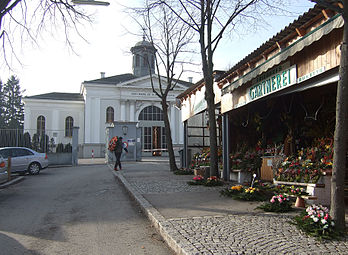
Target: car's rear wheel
[{"x": 34, "y": 168}]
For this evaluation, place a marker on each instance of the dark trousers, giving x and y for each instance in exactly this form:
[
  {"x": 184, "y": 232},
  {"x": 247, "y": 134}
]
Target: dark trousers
[{"x": 118, "y": 159}]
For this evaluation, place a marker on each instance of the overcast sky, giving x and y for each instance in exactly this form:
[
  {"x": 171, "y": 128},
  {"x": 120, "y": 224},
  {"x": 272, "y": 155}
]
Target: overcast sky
[{"x": 52, "y": 67}]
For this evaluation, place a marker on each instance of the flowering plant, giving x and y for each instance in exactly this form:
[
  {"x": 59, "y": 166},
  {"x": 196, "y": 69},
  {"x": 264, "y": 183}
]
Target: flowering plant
[
  {"x": 316, "y": 221},
  {"x": 197, "y": 180},
  {"x": 309, "y": 164},
  {"x": 278, "y": 203},
  {"x": 251, "y": 194},
  {"x": 246, "y": 160},
  {"x": 297, "y": 191},
  {"x": 201, "y": 159},
  {"x": 112, "y": 143},
  {"x": 229, "y": 192},
  {"x": 213, "y": 181}
]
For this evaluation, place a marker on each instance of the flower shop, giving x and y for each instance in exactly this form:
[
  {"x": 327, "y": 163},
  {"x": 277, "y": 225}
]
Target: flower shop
[{"x": 279, "y": 105}]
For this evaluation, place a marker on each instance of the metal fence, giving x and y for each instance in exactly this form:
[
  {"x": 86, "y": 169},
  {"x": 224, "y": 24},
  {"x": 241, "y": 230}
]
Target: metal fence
[{"x": 49, "y": 141}]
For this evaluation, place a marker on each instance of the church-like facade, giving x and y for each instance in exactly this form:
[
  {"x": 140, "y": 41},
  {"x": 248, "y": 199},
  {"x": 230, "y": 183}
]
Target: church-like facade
[{"x": 101, "y": 102}]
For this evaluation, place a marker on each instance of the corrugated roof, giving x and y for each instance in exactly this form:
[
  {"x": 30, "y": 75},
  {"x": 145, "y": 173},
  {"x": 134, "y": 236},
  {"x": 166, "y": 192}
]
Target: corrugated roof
[
  {"x": 300, "y": 21},
  {"x": 59, "y": 96}
]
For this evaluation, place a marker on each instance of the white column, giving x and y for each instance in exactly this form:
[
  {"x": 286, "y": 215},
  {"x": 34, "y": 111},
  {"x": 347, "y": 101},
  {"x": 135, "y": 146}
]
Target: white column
[
  {"x": 28, "y": 120},
  {"x": 88, "y": 118},
  {"x": 97, "y": 121},
  {"x": 173, "y": 124},
  {"x": 131, "y": 110},
  {"x": 181, "y": 128},
  {"x": 56, "y": 120},
  {"x": 123, "y": 111}
]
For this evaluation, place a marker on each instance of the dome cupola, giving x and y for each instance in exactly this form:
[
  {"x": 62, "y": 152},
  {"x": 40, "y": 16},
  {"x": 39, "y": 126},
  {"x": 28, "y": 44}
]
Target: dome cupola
[{"x": 143, "y": 58}]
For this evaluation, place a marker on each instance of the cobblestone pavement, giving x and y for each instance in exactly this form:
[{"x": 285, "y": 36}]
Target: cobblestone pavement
[{"x": 242, "y": 233}]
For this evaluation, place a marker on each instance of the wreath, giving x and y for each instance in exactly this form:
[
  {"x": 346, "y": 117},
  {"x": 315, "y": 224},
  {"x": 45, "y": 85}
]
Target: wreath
[{"x": 112, "y": 143}]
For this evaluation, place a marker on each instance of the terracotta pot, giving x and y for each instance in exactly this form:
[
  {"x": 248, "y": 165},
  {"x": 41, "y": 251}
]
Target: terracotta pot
[{"x": 300, "y": 202}]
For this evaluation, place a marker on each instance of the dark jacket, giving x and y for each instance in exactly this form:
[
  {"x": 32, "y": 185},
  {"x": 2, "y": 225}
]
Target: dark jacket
[{"x": 119, "y": 146}]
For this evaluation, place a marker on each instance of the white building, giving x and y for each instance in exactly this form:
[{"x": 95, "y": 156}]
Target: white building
[{"x": 123, "y": 97}]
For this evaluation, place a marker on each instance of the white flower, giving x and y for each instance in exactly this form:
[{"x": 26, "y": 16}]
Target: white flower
[
  {"x": 315, "y": 219},
  {"x": 325, "y": 226},
  {"x": 332, "y": 223},
  {"x": 323, "y": 221}
]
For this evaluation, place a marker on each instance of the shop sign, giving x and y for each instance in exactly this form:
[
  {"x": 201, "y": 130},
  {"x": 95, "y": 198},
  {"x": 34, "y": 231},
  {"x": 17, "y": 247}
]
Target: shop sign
[
  {"x": 311, "y": 74},
  {"x": 274, "y": 83},
  {"x": 200, "y": 106}
]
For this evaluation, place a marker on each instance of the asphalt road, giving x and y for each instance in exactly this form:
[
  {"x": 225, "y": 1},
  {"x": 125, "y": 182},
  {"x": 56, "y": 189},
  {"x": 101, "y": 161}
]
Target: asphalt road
[{"x": 74, "y": 210}]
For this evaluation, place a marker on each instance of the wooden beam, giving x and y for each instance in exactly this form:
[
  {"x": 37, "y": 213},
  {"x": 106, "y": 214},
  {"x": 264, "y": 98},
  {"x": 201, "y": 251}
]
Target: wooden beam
[
  {"x": 300, "y": 31},
  {"x": 279, "y": 45},
  {"x": 251, "y": 64},
  {"x": 327, "y": 13},
  {"x": 264, "y": 56}
]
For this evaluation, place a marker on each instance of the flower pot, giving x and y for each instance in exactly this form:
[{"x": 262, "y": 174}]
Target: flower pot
[{"x": 300, "y": 202}]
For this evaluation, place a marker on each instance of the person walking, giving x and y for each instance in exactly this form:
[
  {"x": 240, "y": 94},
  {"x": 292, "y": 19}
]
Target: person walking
[{"x": 118, "y": 152}]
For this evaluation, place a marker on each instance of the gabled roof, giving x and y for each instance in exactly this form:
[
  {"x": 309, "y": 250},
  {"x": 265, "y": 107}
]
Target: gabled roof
[
  {"x": 114, "y": 79},
  {"x": 58, "y": 96},
  {"x": 117, "y": 79}
]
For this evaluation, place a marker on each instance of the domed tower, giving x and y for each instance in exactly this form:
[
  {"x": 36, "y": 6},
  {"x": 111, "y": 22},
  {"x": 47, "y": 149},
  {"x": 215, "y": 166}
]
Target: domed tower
[{"x": 143, "y": 58}]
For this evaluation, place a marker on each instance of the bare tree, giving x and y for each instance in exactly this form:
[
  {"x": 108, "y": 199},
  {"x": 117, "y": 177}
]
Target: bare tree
[
  {"x": 211, "y": 20},
  {"x": 30, "y": 18},
  {"x": 340, "y": 137},
  {"x": 171, "y": 39}
]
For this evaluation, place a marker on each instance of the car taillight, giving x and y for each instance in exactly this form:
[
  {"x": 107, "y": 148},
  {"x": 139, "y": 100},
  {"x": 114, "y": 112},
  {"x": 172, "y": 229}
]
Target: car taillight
[
  {"x": 45, "y": 155},
  {"x": 2, "y": 164}
]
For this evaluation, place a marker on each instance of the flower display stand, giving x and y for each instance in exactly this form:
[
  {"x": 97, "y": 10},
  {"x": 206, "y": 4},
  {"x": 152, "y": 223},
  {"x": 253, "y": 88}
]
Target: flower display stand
[
  {"x": 320, "y": 192},
  {"x": 240, "y": 176},
  {"x": 199, "y": 171},
  {"x": 203, "y": 171}
]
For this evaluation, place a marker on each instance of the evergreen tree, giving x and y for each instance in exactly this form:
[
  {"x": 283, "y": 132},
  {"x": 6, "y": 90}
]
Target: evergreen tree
[{"x": 13, "y": 105}]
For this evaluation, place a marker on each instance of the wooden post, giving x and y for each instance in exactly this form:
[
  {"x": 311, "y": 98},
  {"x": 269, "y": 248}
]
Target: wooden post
[{"x": 9, "y": 168}]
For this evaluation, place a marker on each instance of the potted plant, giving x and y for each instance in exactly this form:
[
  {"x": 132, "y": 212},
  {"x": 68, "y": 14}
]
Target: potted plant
[{"x": 278, "y": 203}]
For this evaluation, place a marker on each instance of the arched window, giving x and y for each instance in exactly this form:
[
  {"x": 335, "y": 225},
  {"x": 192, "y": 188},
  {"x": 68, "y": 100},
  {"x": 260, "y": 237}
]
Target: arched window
[
  {"x": 151, "y": 113},
  {"x": 40, "y": 125},
  {"x": 137, "y": 60},
  {"x": 109, "y": 114},
  {"x": 69, "y": 123}
]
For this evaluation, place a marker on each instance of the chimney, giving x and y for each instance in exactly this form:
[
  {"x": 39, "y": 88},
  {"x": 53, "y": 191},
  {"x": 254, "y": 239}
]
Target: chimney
[
  {"x": 102, "y": 74},
  {"x": 190, "y": 79}
]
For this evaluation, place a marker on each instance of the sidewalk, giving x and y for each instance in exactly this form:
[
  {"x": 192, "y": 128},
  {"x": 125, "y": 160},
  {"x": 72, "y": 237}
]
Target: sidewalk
[{"x": 196, "y": 220}]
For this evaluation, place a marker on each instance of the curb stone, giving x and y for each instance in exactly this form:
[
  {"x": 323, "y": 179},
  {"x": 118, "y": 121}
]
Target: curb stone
[
  {"x": 179, "y": 246},
  {"x": 12, "y": 182}
]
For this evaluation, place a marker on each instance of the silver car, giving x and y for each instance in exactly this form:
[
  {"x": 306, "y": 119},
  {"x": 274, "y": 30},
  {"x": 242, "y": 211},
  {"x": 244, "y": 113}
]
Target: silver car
[{"x": 24, "y": 159}]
